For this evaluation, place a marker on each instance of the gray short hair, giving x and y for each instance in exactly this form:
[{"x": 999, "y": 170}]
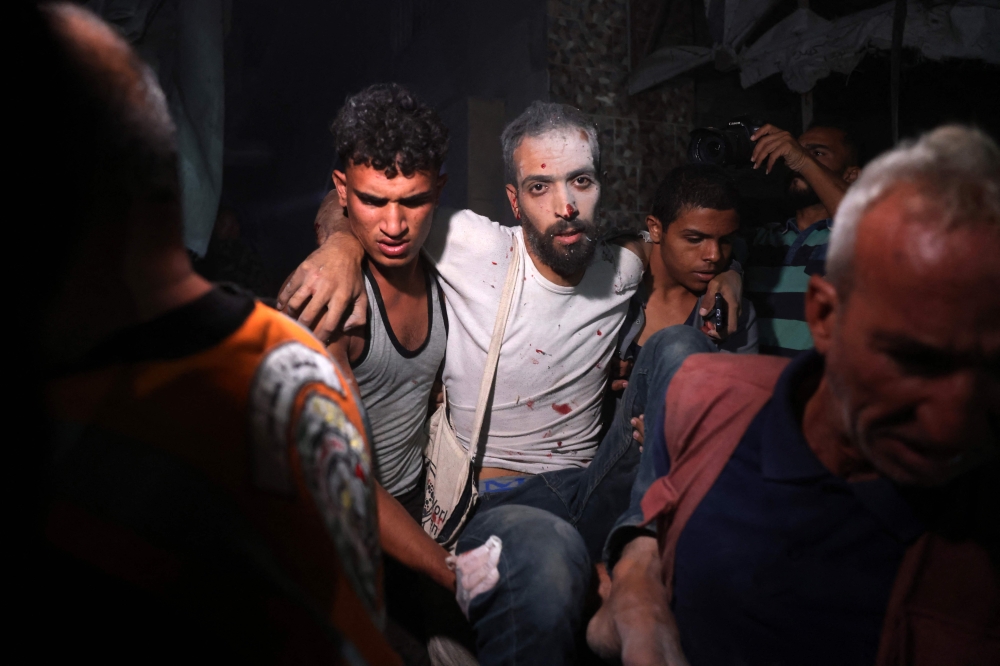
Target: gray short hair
[
  {"x": 958, "y": 166},
  {"x": 538, "y": 119}
]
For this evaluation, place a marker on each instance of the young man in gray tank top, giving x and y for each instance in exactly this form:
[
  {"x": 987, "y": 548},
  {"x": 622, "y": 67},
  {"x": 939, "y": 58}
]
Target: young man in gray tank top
[{"x": 391, "y": 147}]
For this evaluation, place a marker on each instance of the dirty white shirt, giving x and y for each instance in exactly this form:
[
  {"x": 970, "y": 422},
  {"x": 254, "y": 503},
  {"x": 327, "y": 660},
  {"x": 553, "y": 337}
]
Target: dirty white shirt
[{"x": 546, "y": 411}]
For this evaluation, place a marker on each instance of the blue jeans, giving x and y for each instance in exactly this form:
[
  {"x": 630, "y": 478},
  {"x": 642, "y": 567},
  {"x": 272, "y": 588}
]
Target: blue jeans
[
  {"x": 534, "y": 612},
  {"x": 657, "y": 383}
]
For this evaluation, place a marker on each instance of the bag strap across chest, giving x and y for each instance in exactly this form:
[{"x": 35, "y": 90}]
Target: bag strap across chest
[{"x": 477, "y": 443}]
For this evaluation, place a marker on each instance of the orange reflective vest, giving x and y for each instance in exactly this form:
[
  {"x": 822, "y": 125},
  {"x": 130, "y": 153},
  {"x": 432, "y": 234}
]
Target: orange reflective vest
[{"x": 235, "y": 483}]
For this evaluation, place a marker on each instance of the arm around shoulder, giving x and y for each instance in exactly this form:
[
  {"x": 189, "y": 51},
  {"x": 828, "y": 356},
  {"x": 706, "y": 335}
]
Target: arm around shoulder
[{"x": 328, "y": 283}]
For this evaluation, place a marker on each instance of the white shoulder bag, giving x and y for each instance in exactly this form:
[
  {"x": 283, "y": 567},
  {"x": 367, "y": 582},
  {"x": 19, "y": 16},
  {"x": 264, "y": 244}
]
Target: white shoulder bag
[{"x": 451, "y": 491}]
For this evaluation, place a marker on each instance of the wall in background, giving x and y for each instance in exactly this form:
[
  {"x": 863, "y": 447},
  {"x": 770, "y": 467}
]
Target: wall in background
[
  {"x": 479, "y": 64},
  {"x": 290, "y": 65},
  {"x": 642, "y": 136}
]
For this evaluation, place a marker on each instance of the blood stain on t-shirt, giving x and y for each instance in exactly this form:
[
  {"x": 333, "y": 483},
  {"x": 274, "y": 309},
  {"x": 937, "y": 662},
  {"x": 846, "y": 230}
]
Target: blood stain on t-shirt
[
  {"x": 494, "y": 263},
  {"x": 539, "y": 351},
  {"x": 599, "y": 332},
  {"x": 530, "y": 404},
  {"x": 562, "y": 409}
]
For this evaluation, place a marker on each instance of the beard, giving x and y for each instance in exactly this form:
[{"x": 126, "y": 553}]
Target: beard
[
  {"x": 799, "y": 197},
  {"x": 565, "y": 260}
]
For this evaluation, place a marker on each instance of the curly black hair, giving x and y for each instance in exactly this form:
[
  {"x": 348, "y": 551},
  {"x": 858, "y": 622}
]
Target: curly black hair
[{"x": 387, "y": 127}]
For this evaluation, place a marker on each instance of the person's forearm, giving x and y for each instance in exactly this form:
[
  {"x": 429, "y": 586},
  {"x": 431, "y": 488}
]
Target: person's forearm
[
  {"x": 639, "y": 563},
  {"x": 329, "y": 279},
  {"x": 403, "y": 539},
  {"x": 642, "y": 600},
  {"x": 828, "y": 186},
  {"x": 330, "y": 218}
]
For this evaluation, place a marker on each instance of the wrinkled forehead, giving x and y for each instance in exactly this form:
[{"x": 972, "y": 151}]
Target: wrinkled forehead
[
  {"x": 922, "y": 271},
  {"x": 555, "y": 152}
]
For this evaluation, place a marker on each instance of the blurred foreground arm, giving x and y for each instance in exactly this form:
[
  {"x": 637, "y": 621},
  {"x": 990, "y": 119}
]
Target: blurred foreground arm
[{"x": 329, "y": 283}]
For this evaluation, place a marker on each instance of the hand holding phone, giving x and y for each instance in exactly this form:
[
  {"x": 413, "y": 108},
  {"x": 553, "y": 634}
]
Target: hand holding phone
[{"x": 719, "y": 315}]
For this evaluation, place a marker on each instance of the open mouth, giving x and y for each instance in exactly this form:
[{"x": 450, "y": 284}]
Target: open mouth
[
  {"x": 393, "y": 248},
  {"x": 569, "y": 238}
]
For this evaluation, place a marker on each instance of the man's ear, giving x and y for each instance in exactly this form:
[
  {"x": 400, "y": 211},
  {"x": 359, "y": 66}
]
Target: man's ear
[
  {"x": 512, "y": 196},
  {"x": 823, "y": 306},
  {"x": 340, "y": 182},
  {"x": 851, "y": 173},
  {"x": 655, "y": 228}
]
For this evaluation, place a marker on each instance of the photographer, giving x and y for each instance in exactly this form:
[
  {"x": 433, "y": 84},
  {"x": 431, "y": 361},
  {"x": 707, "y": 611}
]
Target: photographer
[{"x": 824, "y": 162}]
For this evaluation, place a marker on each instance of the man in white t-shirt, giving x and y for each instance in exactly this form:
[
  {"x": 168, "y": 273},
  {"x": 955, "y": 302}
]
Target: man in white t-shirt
[{"x": 570, "y": 301}]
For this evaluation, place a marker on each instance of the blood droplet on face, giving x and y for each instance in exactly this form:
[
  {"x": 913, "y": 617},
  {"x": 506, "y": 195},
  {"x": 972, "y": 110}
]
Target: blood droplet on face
[
  {"x": 562, "y": 409},
  {"x": 543, "y": 165},
  {"x": 569, "y": 210}
]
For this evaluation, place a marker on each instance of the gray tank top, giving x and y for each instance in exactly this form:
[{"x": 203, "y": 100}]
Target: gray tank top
[{"x": 396, "y": 384}]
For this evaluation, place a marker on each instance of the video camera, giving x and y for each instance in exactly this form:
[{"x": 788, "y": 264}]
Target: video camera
[{"x": 724, "y": 147}]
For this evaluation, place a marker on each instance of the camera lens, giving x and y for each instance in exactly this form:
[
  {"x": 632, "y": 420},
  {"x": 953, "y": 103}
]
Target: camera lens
[
  {"x": 708, "y": 146},
  {"x": 712, "y": 150}
]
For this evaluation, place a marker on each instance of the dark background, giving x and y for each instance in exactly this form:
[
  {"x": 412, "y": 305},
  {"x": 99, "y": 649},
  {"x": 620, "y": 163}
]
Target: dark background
[{"x": 290, "y": 65}]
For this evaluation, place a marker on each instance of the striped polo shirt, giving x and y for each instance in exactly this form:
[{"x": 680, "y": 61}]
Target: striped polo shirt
[{"x": 781, "y": 260}]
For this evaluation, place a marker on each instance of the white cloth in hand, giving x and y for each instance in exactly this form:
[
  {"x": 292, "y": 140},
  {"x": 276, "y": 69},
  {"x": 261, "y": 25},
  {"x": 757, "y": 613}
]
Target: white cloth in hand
[{"x": 475, "y": 571}]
